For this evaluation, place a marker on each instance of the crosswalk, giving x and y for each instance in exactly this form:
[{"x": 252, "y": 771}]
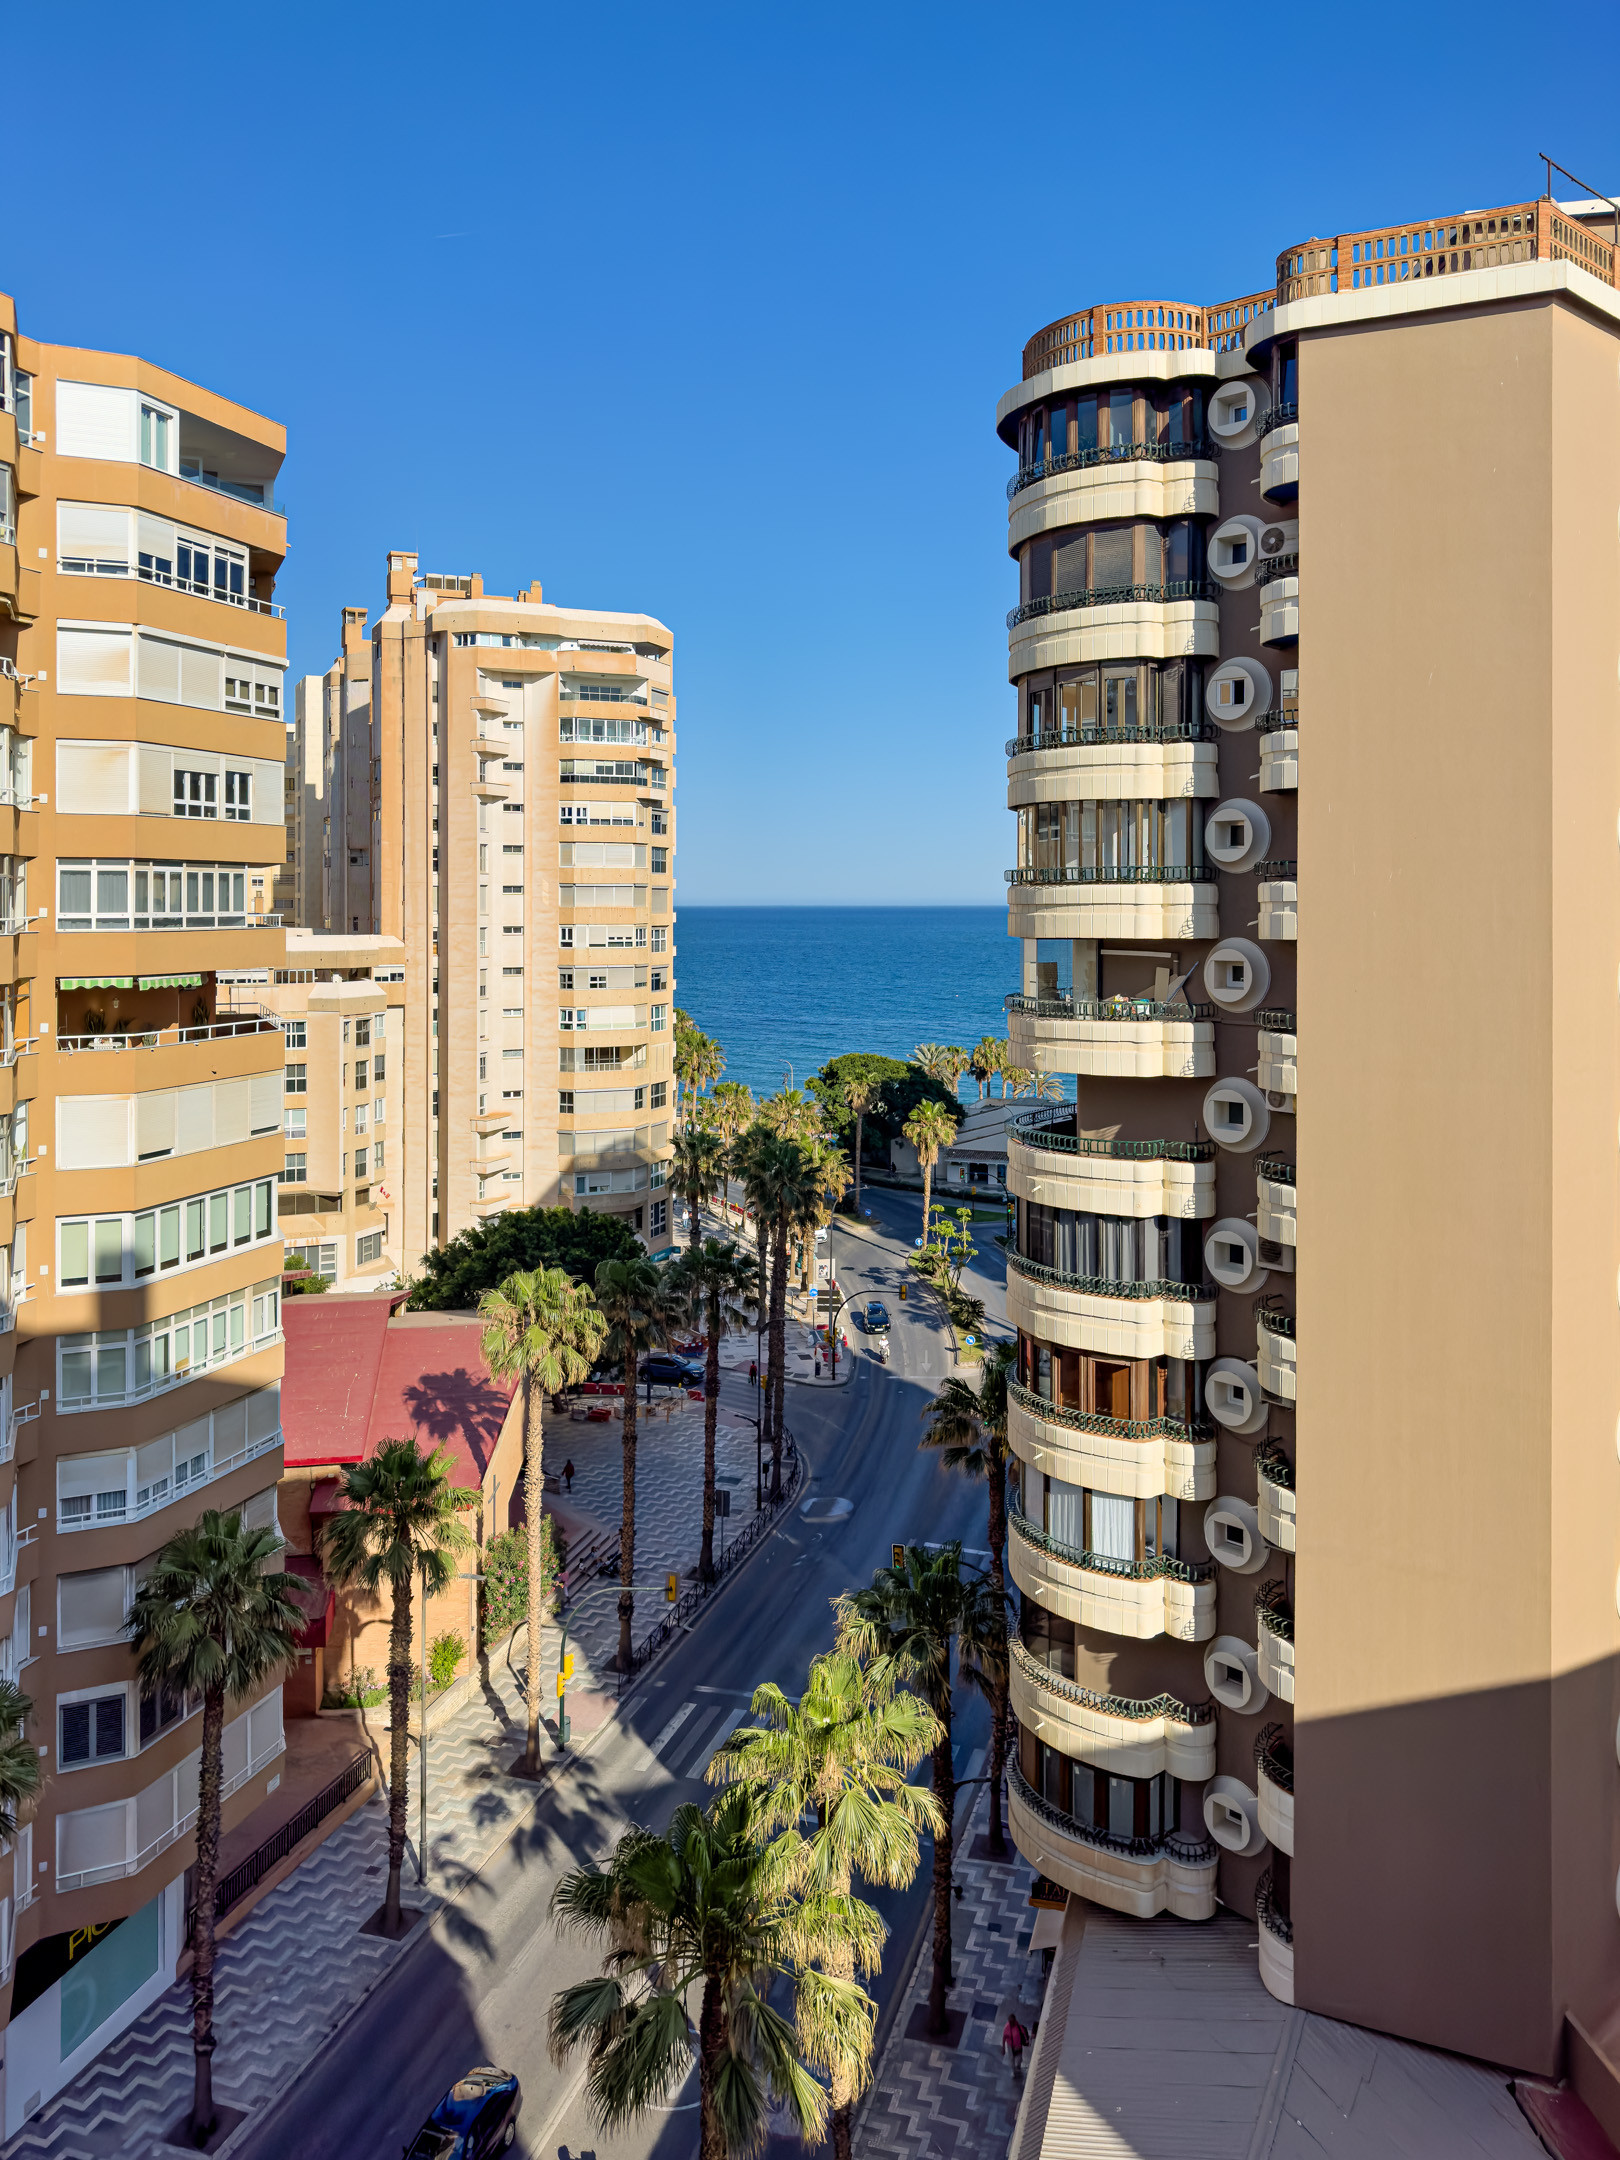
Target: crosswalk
[{"x": 688, "y": 1742}]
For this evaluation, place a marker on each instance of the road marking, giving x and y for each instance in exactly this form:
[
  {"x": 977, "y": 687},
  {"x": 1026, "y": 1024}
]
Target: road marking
[
  {"x": 735, "y": 1718},
  {"x": 737, "y": 1694},
  {"x": 680, "y": 1751},
  {"x": 673, "y": 1727}
]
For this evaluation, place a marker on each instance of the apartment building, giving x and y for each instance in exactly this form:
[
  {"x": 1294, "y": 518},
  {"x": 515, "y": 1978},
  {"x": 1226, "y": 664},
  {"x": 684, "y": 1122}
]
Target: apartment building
[
  {"x": 141, "y": 826},
  {"x": 1376, "y": 503},
  {"x": 496, "y": 793}
]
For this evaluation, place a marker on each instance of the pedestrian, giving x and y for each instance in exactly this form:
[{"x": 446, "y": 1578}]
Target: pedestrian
[
  {"x": 818, "y": 1365},
  {"x": 753, "y": 1372},
  {"x": 1013, "y": 2038},
  {"x": 568, "y": 1473}
]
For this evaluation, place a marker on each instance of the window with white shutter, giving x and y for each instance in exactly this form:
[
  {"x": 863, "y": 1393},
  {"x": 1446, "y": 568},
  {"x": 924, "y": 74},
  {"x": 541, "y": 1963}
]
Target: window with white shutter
[
  {"x": 92, "y": 779},
  {"x": 92, "y": 536},
  {"x": 96, "y": 420},
  {"x": 91, "y": 1841},
  {"x": 157, "y": 668},
  {"x": 93, "y": 662},
  {"x": 93, "y": 1132},
  {"x": 91, "y": 1607},
  {"x": 265, "y": 1096},
  {"x": 233, "y": 1110}
]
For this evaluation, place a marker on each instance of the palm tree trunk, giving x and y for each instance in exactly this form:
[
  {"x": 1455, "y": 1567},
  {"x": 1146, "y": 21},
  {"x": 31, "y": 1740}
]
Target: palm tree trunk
[
  {"x": 778, "y": 1352},
  {"x": 202, "y": 1969},
  {"x": 859, "y": 1121},
  {"x": 711, "y": 2050},
  {"x": 694, "y": 1208},
  {"x": 399, "y": 1711},
  {"x": 1001, "y": 1713},
  {"x": 627, "y": 1519},
  {"x": 944, "y": 1853},
  {"x": 533, "y": 1494},
  {"x": 711, "y": 1411},
  {"x": 928, "y": 1191},
  {"x": 765, "y": 1299}
]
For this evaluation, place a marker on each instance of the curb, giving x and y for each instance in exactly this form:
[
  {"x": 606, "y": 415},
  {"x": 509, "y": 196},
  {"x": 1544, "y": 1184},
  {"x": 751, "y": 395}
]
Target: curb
[{"x": 261, "y": 2117}]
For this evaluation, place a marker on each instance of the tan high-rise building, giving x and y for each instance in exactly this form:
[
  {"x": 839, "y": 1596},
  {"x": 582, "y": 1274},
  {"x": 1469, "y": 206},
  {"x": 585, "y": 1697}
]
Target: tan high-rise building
[
  {"x": 490, "y": 782},
  {"x": 141, "y": 830},
  {"x": 1377, "y": 507}
]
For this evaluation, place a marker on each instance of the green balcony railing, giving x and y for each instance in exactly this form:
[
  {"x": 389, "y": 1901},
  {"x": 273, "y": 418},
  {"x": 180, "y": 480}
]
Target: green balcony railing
[
  {"x": 1159, "y": 1567},
  {"x": 1093, "y": 1421},
  {"x": 1276, "y": 723},
  {"x": 1180, "y": 1293},
  {"x": 1266, "y": 1912},
  {"x": 1275, "y": 1318},
  {"x": 1274, "y": 1611},
  {"x": 1276, "y": 566},
  {"x": 1097, "y": 736},
  {"x": 1111, "y": 1009},
  {"x": 1113, "y": 596},
  {"x": 1138, "y": 1709},
  {"x": 1032, "y": 1131},
  {"x": 1131, "y": 453},
  {"x": 1190, "y": 1851},
  {"x": 1274, "y": 1169},
  {"x": 1277, "y": 870},
  {"x": 1279, "y": 416},
  {"x": 1273, "y": 1465},
  {"x": 1117, "y": 874},
  {"x": 1274, "y": 1754},
  {"x": 1276, "y": 1020}
]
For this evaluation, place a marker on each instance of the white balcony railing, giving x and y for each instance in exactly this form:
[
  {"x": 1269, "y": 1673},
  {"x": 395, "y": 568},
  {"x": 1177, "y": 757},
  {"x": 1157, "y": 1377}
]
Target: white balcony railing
[
  {"x": 165, "y": 1038},
  {"x": 89, "y": 566}
]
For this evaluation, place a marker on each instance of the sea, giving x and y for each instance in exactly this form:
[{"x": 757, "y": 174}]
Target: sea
[{"x": 783, "y": 989}]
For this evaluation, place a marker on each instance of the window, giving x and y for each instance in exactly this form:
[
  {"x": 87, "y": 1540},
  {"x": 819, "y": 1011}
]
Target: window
[
  {"x": 660, "y": 1217},
  {"x": 318, "y": 1259},
  {"x": 362, "y": 1032},
  {"x": 296, "y": 1126},
  {"x": 160, "y": 1711},
  {"x": 196, "y": 794},
  {"x": 294, "y": 1030},
  {"x": 659, "y": 1015},
  {"x": 157, "y": 437},
  {"x": 660, "y": 858},
  {"x": 97, "y": 895},
  {"x": 130, "y": 1483},
  {"x": 157, "y": 1241},
  {"x": 660, "y": 940},
  {"x": 297, "y": 1081},
  {"x": 361, "y": 1071},
  {"x": 565, "y": 1102},
  {"x": 660, "y": 1095},
  {"x": 360, "y": 1170},
  {"x": 368, "y": 1248},
  {"x": 293, "y": 1170},
  {"x": 91, "y": 1730},
  {"x": 238, "y": 796}
]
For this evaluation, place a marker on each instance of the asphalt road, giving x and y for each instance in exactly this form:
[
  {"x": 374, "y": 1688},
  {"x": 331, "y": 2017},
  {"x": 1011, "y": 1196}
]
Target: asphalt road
[{"x": 478, "y": 1989}]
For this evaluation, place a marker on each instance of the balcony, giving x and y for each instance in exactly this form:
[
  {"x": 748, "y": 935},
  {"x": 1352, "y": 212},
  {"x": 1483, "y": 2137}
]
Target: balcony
[
  {"x": 110, "y": 1042},
  {"x": 1110, "y": 459},
  {"x": 1123, "y": 763},
  {"x": 1279, "y": 753},
  {"x": 1274, "y": 1784},
  {"x": 1155, "y": 900},
  {"x": 96, "y": 566},
  {"x": 1136, "y": 1598},
  {"x": 1125, "y": 1038},
  {"x": 1274, "y": 1475},
  {"x": 1274, "y": 1639},
  {"x": 1279, "y": 1056},
  {"x": 1276, "y": 1942},
  {"x": 1274, "y": 1348},
  {"x": 1121, "y": 1455},
  {"x": 1279, "y": 455},
  {"x": 1119, "y": 1319},
  {"x": 1051, "y": 1162},
  {"x": 1140, "y": 1876},
  {"x": 1123, "y": 1734},
  {"x": 1278, "y": 581},
  {"x": 1150, "y": 622},
  {"x": 1275, "y": 1215},
  {"x": 1279, "y": 900}
]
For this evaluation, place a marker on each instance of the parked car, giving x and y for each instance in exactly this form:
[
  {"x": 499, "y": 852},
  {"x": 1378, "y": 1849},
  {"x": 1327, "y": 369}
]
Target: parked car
[
  {"x": 877, "y": 1316},
  {"x": 477, "y": 2116},
  {"x": 665, "y": 1369}
]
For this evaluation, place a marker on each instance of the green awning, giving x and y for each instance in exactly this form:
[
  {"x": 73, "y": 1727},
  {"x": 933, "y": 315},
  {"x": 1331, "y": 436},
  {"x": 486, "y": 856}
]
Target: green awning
[
  {"x": 95, "y": 982},
  {"x": 171, "y": 982}
]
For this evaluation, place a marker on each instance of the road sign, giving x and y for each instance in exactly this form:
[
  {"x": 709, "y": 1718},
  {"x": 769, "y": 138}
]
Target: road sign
[
  {"x": 672, "y": 1587},
  {"x": 722, "y": 1501}
]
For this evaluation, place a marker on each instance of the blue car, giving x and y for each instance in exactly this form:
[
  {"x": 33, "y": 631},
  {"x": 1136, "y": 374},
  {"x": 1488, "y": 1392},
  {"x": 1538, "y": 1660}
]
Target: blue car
[{"x": 477, "y": 2116}]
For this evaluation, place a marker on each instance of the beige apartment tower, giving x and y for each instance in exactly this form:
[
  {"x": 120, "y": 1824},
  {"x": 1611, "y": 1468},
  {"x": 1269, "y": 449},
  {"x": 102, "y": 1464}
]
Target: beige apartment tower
[
  {"x": 487, "y": 785},
  {"x": 1375, "y": 507},
  {"x": 141, "y": 832}
]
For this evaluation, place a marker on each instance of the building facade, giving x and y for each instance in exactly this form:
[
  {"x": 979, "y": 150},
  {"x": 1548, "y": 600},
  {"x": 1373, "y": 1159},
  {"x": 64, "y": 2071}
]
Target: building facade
[
  {"x": 141, "y": 830},
  {"x": 1205, "y": 516},
  {"x": 496, "y": 792}
]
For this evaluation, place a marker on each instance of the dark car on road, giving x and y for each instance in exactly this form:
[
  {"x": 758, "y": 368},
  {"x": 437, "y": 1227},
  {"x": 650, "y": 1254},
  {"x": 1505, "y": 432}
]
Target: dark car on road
[
  {"x": 877, "y": 1317},
  {"x": 478, "y": 2115},
  {"x": 666, "y": 1370}
]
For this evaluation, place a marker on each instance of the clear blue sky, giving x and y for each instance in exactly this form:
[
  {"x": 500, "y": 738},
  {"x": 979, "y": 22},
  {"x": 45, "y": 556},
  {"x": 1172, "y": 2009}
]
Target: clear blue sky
[{"x": 705, "y": 310}]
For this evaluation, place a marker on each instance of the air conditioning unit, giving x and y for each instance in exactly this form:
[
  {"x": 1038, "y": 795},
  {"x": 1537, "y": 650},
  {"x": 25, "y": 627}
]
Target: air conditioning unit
[
  {"x": 1274, "y": 540},
  {"x": 1277, "y": 1100}
]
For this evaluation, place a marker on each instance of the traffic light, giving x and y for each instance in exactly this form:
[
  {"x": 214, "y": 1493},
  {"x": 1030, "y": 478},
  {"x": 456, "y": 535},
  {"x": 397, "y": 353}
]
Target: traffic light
[
  {"x": 899, "y": 1556},
  {"x": 567, "y": 1672},
  {"x": 562, "y": 1685},
  {"x": 672, "y": 1588},
  {"x": 902, "y": 1293}
]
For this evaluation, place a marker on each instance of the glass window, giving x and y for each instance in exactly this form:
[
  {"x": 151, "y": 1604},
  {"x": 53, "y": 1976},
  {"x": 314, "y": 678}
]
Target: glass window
[
  {"x": 1122, "y": 429},
  {"x": 75, "y": 1259},
  {"x": 109, "y": 1252},
  {"x": 1085, "y": 418}
]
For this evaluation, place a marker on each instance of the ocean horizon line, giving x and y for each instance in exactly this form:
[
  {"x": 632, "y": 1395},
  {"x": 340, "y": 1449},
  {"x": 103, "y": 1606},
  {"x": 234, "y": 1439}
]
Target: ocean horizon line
[{"x": 940, "y": 907}]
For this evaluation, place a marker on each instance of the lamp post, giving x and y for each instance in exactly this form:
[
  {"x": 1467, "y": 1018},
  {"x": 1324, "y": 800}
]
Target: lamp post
[{"x": 422, "y": 1782}]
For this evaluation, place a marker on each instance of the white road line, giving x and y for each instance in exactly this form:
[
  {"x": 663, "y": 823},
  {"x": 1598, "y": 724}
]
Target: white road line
[
  {"x": 673, "y": 1727},
  {"x": 721, "y": 1737},
  {"x": 682, "y": 1750}
]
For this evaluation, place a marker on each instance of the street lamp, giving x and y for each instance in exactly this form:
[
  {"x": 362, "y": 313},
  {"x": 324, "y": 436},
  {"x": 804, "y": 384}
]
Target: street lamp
[{"x": 422, "y": 1807}]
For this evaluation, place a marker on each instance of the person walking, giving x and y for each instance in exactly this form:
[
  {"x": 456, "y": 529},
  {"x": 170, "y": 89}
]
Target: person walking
[
  {"x": 568, "y": 1473},
  {"x": 1013, "y": 2040}
]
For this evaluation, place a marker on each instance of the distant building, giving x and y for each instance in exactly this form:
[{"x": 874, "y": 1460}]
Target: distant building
[{"x": 976, "y": 1158}]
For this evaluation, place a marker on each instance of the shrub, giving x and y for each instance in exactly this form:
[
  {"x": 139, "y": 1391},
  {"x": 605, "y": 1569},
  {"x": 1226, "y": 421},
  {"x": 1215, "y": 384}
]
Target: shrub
[
  {"x": 362, "y": 1692},
  {"x": 445, "y": 1654},
  {"x": 503, "y": 1595},
  {"x": 481, "y": 1257}
]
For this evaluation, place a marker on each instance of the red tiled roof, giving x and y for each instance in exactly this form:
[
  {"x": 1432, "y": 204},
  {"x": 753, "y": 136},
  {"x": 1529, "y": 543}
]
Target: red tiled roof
[{"x": 359, "y": 1373}]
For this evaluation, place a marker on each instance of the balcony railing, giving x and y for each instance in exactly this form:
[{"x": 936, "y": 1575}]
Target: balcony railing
[
  {"x": 1158, "y": 1567},
  {"x": 1179, "y": 1293},
  {"x": 1276, "y": 1020},
  {"x": 1110, "y": 1009},
  {"x": 89, "y": 566},
  {"x": 85, "y": 1878},
  {"x": 1279, "y": 416},
  {"x": 1087, "y": 737},
  {"x": 1274, "y": 1611},
  {"x": 164, "y": 1038},
  {"x": 1113, "y": 596},
  {"x": 655, "y": 777},
  {"x": 1265, "y": 1908},
  {"x": 1273, "y": 1465},
  {"x": 242, "y": 491},
  {"x": 1158, "y": 453},
  {"x": 1276, "y": 566},
  {"x": 1033, "y": 1130},
  {"x": 1275, "y": 1757},
  {"x": 1277, "y": 871},
  {"x": 1137, "y": 1708},
  {"x": 1274, "y": 1170},
  {"x": 1276, "y": 722},
  {"x": 1118, "y": 874},
  {"x": 1274, "y": 1318},
  {"x": 1190, "y": 1851},
  {"x": 1093, "y": 1421}
]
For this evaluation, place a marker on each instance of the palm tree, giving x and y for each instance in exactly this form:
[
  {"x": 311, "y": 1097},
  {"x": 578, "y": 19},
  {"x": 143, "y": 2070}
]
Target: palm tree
[
  {"x": 1016, "y": 1080},
  {"x": 721, "y": 1284},
  {"x": 791, "y": 1114},
  {"x": 542, "y": 1330},
  {"x": 709, "y": 1907},
  {"x": 969, "y": 1427},
  {"x": 929, "y": 1128},
  {"x": 731, "y": 1110},
  {"x": 793, "y": 1182},
  {"x": 956, "y": 1064},
  {"x": 859, "y": 1095},
  {"x": 752, "y": 1159},
  {"x": 987, "y": 1059},
  {"x": 698, "y": 1171},
  {"x": 916, "y": 1615},
  {"x": 212, "y": 1617},
  {"x": 934, "y": 1058},
  {"x": 1048, "y": 1087},
  {"x": 699, "y": 1060},
  {"x": 636, "y": 1305},
  {"x": 401, "y": 1517},
  {"x": 19, "y": 1758},
  {"x": 842, "y": 1751},
  {"x": 829, "y": 1181}
]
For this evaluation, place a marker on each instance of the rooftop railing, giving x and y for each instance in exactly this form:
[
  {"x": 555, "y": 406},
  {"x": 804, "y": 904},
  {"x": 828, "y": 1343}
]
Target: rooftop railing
[
  {"x": 1113, "y": 596},
  {"x": 1439, "y": 247},
  {"x": 1142, "y": 326}
]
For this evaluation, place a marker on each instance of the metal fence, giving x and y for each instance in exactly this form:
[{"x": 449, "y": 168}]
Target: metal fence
[{"x": 232, "y": 1888}]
